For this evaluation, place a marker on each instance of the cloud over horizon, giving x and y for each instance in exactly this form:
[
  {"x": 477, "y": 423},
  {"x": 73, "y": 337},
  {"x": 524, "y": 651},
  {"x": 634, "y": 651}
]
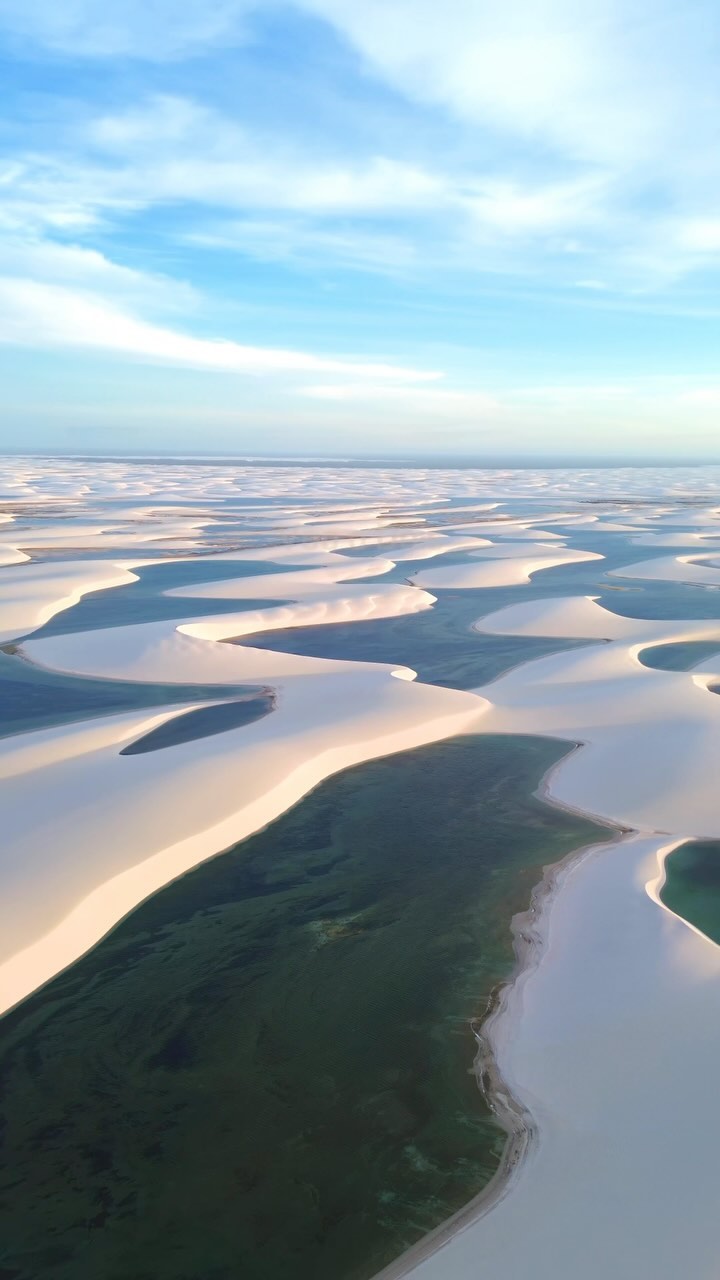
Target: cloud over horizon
[{"x": 381, "y": 191}]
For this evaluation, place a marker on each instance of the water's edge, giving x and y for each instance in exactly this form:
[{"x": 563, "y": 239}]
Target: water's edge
[{"x": 530, "y": 930}]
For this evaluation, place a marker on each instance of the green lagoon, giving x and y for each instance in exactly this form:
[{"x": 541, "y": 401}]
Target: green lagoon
[
  {"x": 692, "y": 885},
  {"x": 266, "y": 1070},
  {"x": 680, "y": 655}
]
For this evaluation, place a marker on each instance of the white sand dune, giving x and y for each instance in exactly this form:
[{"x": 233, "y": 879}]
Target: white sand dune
[
  {"x": 584, "y": 618},
  {"x": 505, "y": 528},
  {"x": 31, "y": 594},
  {"x": 602, "y": 1037},
  {"x": 502, "y": 566},
  {"x": 689, "y": 538},
  {"x": 432, "y": 544},
  {"x": 296, "y": 583},
  {"x": 113, "y": 829},
  {"x": 328, "y": 551},
  {"x": 675, "y": 569},
  {"x": 319, "y": 595},
  {"x": 600, "y": 1041},
  {"x": 11, "y": 555},
  {"x": 610, "y": 1036},
  {"x": 187, "y": 653},
  {"x": 653, "y": 737}
]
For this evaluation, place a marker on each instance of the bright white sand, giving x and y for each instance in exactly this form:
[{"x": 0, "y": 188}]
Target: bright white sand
[
  {"x": 11, "y": 555},
  {"x": 653, "y": 737},
  {"x": 328, "y": 715},
  {"x": 611, "y": 1038},
  {"x": 514, "y": 529},
  {"x": 611, "y": 1042},
  {"x": 502, "y": 566},
  {"x": 317, "y": 597},
  {"x": 31, "y": 594},
  {"x": 676, "y": 569},
  {"x": 112, "y": 829}
]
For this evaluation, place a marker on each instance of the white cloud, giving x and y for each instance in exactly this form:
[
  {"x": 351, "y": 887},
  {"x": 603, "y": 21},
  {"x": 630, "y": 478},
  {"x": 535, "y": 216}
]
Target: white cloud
[
  {"x": 40, "y": 314},
  {"x": 299, "y": 240},
  {"x": 512, "y": 209},
  {"x": 156, "y": 30},
  {"x": 613, "y": 105},
  {"x": 558, "y": 122},
  {"x": 37, "y": 258},
  {"x": 172, "y": 148},
  {"x": 699, "y": 235},
  {"x": 611, "y": 83}
]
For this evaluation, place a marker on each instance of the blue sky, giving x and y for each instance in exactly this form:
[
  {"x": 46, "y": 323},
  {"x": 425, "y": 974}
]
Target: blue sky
[{"x": 361, "y": 226}]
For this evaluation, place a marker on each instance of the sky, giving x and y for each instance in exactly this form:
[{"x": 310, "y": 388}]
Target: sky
[{"x": 352, "y": 227}]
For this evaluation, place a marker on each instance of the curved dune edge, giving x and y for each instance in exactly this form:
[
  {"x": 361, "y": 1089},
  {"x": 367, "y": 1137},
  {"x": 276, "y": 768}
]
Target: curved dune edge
[
  {"x": 556, "y": 693},
  {"x": 574, "y": 1152},
  {"x": 32, "y": 593},
  {"x": 654, "y": 888},
  {"x": 502, "y": 566},
  {"x": 598, "y": 965},
  {"x": 678, "y": 568},
  {"x": 116, "y": 829},
  {"x": 134, "y": 823},
  {"x": 559, "y": 704},
  {"x": 318, "y": 589},
  {"x": 529, "y": 934},
  {"x": 316, "y": 596},
  {"x": 328, "y": 715}
]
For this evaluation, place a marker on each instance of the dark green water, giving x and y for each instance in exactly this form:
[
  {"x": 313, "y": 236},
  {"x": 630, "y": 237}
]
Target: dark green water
[
  {"x": 203, "y": 722},
  {"x": 33, "y": 698},
  {"x": 264, "y": 1071},
  {"x": 692, "y": 885}
]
